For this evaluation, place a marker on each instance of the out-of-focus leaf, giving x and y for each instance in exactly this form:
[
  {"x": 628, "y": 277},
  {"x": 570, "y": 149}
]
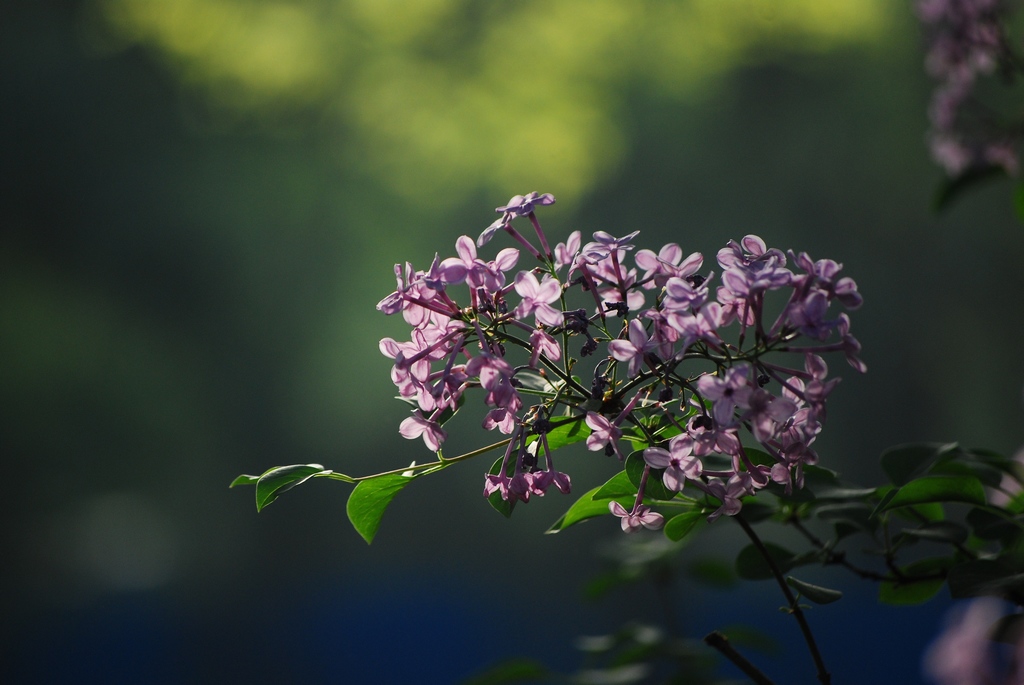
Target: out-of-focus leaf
[
  {"x": 938, "y": 489},
  {"x": 904, "y": 462},
  {"x": 755, "y": 510},
  {"x": 511, "y": 671},
  {"x": 501, "y": 505},
  {"x": 997, "y": 577},
  {"x": 715, "y": 573},
  {"x": 815, "y": 593},
  {"x": 939, "y": 531},
  {"x": 854, "y": 514},
  {"x": 974, "y": 176},
  {"x": 1018, "y": 202},
  {"x": 918, "y": 591},
  {"x": 988, "y": 525},
  {"x": 617, "y": 675},
  {"x": 281, "y": 479},
  {"x": 750, "y": 565},
  {"x": 370, "y": 498}
]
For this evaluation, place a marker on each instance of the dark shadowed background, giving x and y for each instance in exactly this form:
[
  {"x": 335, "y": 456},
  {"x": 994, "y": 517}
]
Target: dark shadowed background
[{"x": 201, "y": 203}]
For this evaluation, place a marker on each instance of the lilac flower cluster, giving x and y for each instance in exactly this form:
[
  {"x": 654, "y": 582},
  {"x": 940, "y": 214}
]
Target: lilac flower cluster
[
  {"x": 966, "y": 41},
  {"x": 662, "y": 375}
]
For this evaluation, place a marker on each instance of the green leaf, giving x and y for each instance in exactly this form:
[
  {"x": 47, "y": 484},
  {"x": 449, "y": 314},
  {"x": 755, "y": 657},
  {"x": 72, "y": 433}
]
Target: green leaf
[
  {"x": 617, "y": 486},
  {"x": 566, "y": 432},
  {"x": 750, "y": 565},
  {"x": 511, "y": 671},
  {"x": 903, "y": 462},
  {"x": 244, "y": 480},
  {"x": 815, "y": 593},
  {"x": 715, "y": 573},
  {"x": 281, "y": 479},
  {"x": 501, "y": 505},
  {"x": 654, "y": 489},
  {"x": 856, "y": 515},
  {"x": 999, "y": 577},
  {"x": 915, "y": 591},
  {"x": 588, "y": 506},
  {"x": 988, "y": 475},
  {"x": 988, "y": 525},
  {"x": 1018, "y": 202},
  {"x": 937, "y": 489},
  {"x": 681, "y": 525},
  {"x": 370, "y": 498},
  {"x": 939, "y": 531}
]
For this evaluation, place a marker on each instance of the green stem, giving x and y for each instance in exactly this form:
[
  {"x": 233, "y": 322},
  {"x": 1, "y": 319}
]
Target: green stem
[
  {"x": 442, "y": 462},
  {"x": 823, "y": 675}
]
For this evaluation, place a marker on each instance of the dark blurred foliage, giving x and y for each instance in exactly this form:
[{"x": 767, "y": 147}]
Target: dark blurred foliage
[{"x": 187, "y": 292}]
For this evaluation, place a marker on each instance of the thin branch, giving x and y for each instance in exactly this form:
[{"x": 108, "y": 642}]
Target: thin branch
[
  {"x": 823, "y": 675},
  {"x": 720, "y": 642}
]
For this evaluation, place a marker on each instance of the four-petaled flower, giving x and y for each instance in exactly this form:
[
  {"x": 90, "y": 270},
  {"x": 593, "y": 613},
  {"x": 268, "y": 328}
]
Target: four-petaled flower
[
  {"x": 641, "y": 515},
  {"x": 678, "y": 461}
]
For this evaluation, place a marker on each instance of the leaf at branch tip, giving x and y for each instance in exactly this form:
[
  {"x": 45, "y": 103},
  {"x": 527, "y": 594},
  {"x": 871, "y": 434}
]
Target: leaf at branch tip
[
  {"x": 370, "y": 498},
  {"x": 280, "y": 479},
  {"x": 903, "y": 462},
  {"x": 815, "y": 593},
  {"x": 244, "y": 480},
  {"x": 937, "y": 489}
]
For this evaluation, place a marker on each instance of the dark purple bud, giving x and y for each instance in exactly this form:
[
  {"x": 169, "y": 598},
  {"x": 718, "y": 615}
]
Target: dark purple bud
[
  {"x": 696, "y": 280},
  {"x": 702, "y": 421},
  {"x": 589, "y": 348},
  {"x": 665, "y": 395},
  {"x": 620, "y": 308},
  {"x": 763, "y": 380}
]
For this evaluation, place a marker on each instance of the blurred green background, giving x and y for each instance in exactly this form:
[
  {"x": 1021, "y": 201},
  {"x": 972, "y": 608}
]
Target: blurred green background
[{"x": 201, "y": 204}]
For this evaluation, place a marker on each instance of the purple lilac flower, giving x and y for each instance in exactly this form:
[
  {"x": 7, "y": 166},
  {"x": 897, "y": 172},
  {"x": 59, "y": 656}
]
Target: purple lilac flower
[
  {"x": 728, "y": 391},
  {"x": 565, "y": 253},
  {"x": 634, "y": 349},
  {"x": 537, "y": 298},
  {"x": 678, "y": 461},
  {"x": 700, "y": 325},
  {"x": 666, "y": 264},
  {"x": 602, "y": 433},
  {"x": 729, "y": 493},
  {"x": 640, "y": 516},
  {"x": 521, "y": 205},
  {"x": 416, "y": 426},
  {"x": 966, "y": 41},
  {"x": 605, "y": 245},
  {"x": 542, "y": 343}
]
